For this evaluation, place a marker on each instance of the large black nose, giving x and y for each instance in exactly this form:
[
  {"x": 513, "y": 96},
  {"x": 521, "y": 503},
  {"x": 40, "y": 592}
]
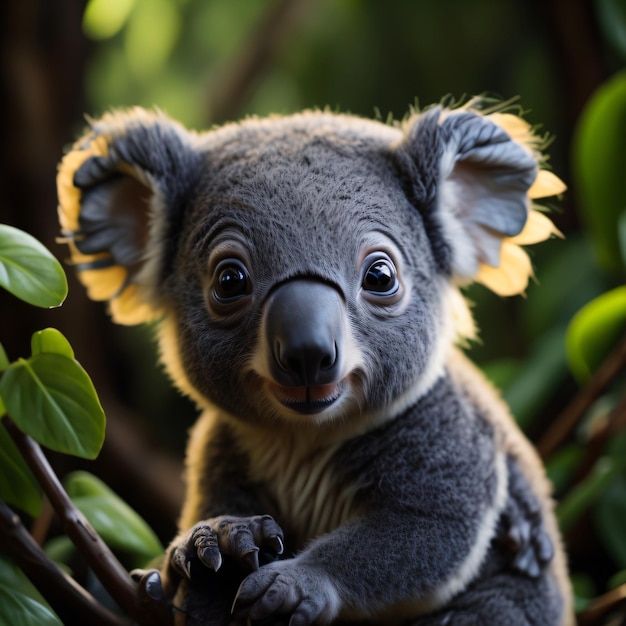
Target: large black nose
[{"x": 304, "y": 331}]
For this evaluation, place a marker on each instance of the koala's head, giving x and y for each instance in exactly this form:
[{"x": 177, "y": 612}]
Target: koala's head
[{"x": 303, "y": 268}]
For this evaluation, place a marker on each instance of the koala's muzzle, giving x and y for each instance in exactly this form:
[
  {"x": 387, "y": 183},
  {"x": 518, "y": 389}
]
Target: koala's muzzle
[{"x": 304, "y": 326}]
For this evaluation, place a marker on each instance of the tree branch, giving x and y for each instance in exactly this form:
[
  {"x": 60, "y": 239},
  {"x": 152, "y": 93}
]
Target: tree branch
[
  {"x": 68, "y": 599},
  {"x": 567, "y": 421},
  {"x": 96, "y": 553}
]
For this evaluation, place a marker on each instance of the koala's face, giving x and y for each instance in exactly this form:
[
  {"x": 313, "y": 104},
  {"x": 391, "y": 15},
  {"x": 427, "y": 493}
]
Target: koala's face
[
  {"x": 302, "y": 267},
  {"x": 303, "y": 286}
]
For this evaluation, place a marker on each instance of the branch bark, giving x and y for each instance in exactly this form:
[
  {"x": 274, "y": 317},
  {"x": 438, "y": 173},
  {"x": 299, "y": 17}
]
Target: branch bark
[
  {"x": 567, "y": 421},
  {"x": 67, "y": 598},
  {"x": 96, "y": 553}
]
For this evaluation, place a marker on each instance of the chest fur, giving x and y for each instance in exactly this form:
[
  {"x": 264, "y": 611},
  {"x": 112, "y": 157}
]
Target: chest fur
[{"x": 302, "y": 484}]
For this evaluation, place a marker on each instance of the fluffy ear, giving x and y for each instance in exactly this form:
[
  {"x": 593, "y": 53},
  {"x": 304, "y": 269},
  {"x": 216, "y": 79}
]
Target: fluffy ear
[
  {"x": 121, "y": 188},
  {"x": 477, "y": 176}
]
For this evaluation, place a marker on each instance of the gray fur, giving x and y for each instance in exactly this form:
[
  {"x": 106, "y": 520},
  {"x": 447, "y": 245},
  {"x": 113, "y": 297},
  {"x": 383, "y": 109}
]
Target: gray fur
[{"x": 412, "y": 495}]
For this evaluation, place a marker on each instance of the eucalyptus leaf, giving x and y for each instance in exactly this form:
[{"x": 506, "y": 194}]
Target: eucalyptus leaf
[
  {"x": 20, "y": 603},
  {"x": 18, "y": 486},
  {"x": 29, "y": 271},
  {"x": 118, "y": 525},
  {"x": 51, "y": 341},
  {"x": 52, "y": 399},
  {"x": 599, "y": 154},
  {"x": 594, "y": 331}
]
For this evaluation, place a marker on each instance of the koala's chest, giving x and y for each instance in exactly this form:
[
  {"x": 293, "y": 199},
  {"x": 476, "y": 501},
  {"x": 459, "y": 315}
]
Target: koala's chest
[{"x": 302, "y": 486}]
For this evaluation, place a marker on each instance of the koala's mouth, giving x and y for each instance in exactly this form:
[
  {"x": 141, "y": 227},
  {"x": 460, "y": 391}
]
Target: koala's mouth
[{"x": 307, "y": 400}]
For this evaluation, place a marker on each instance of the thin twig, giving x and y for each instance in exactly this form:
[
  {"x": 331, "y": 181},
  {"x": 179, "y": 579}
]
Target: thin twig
[
  {"x": 96, "y": 553},
  {"x": 567, "y": 421},
  {"x": 67, "y": 598},
  {"x": 602, "y": 605}
]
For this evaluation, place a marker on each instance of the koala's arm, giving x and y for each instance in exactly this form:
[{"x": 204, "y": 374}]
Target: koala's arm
[
  {"x": 436, "y": 487},
  {"x": 222, "y": 515}
]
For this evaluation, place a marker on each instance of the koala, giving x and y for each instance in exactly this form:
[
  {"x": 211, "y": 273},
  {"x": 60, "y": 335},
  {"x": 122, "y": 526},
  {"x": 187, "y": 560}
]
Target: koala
[{"x": 350, "y": 464}]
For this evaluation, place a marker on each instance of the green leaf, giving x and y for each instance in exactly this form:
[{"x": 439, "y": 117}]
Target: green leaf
[
  {"x": 119, "y": 526},
  {"x": 29, "y": 271},
  {"x": 610, "y": 515},
  {"x": 594, "y": 331},
  {"x": 599, "y": 154},
  {"x": 20, "y": 603},
  {"x": 18, "y": 486},
  {"x": 51, "y": 341},
  {"x": 52, "y": 399},
  {"x": 4, "y": 359}
]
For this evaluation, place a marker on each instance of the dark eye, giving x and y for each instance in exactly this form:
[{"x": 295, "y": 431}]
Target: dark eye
[
  {"x": 232, "y": 280},
  {"x": 380, "y": 277}
]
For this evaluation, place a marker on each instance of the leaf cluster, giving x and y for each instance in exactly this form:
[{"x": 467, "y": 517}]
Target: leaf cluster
[{"x": 49, "y": 397}]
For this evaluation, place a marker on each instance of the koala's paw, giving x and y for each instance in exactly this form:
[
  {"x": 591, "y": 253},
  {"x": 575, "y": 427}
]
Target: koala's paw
[
  {"x": 238, "y": 537},
  {"x": 529, "y": 544},
  {"x": 286, "y": 588}
]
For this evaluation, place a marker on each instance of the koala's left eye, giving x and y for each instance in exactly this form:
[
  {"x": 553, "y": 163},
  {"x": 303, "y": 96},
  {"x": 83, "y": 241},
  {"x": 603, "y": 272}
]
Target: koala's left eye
[
  {"x": 232, "y": 281},
  {"x": 380, "y": 277}
]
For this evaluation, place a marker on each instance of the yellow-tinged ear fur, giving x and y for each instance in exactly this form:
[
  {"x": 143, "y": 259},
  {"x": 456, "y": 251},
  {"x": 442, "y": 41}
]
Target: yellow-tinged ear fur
[
  {"x": 474, "y": 174},
  {"x": 511, "y": 276},
  {"x": 115, "y": 186}
]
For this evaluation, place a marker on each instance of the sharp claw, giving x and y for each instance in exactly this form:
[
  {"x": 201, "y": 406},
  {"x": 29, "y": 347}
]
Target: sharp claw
[
  {"x": 277, "y": 544},
  {"x": 252, "y": 559},
  {"x": 187, "y": 569},
  {"x": 152, "y": 587},
  {"x": 211, "y": 558}
]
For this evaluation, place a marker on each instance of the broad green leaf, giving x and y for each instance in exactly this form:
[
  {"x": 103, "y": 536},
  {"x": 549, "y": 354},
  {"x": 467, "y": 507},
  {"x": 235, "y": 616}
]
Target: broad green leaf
[
  {"x": 18, "y": 486},
  {"x": 612, "y": 20},
  {"x": 51, "y": 341},
  {"x": 594, "y": 332},
  {"x": 586, "y": 493},
  {"x": 52, "y": 399},
  {"x": 599, "y": 154},
  {"x": 610, "y": 518},
  {"x": 4, "y": 359},
  {"x": 29, "y": 271},
  {"x": 119, "y": 526},
  {"x": 3, "y": 409},
  {"x": 20, "y": 603}
]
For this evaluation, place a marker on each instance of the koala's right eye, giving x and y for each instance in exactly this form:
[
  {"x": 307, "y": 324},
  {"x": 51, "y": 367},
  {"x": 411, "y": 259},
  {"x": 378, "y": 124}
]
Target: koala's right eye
[{"x": 232, "y": 281}]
